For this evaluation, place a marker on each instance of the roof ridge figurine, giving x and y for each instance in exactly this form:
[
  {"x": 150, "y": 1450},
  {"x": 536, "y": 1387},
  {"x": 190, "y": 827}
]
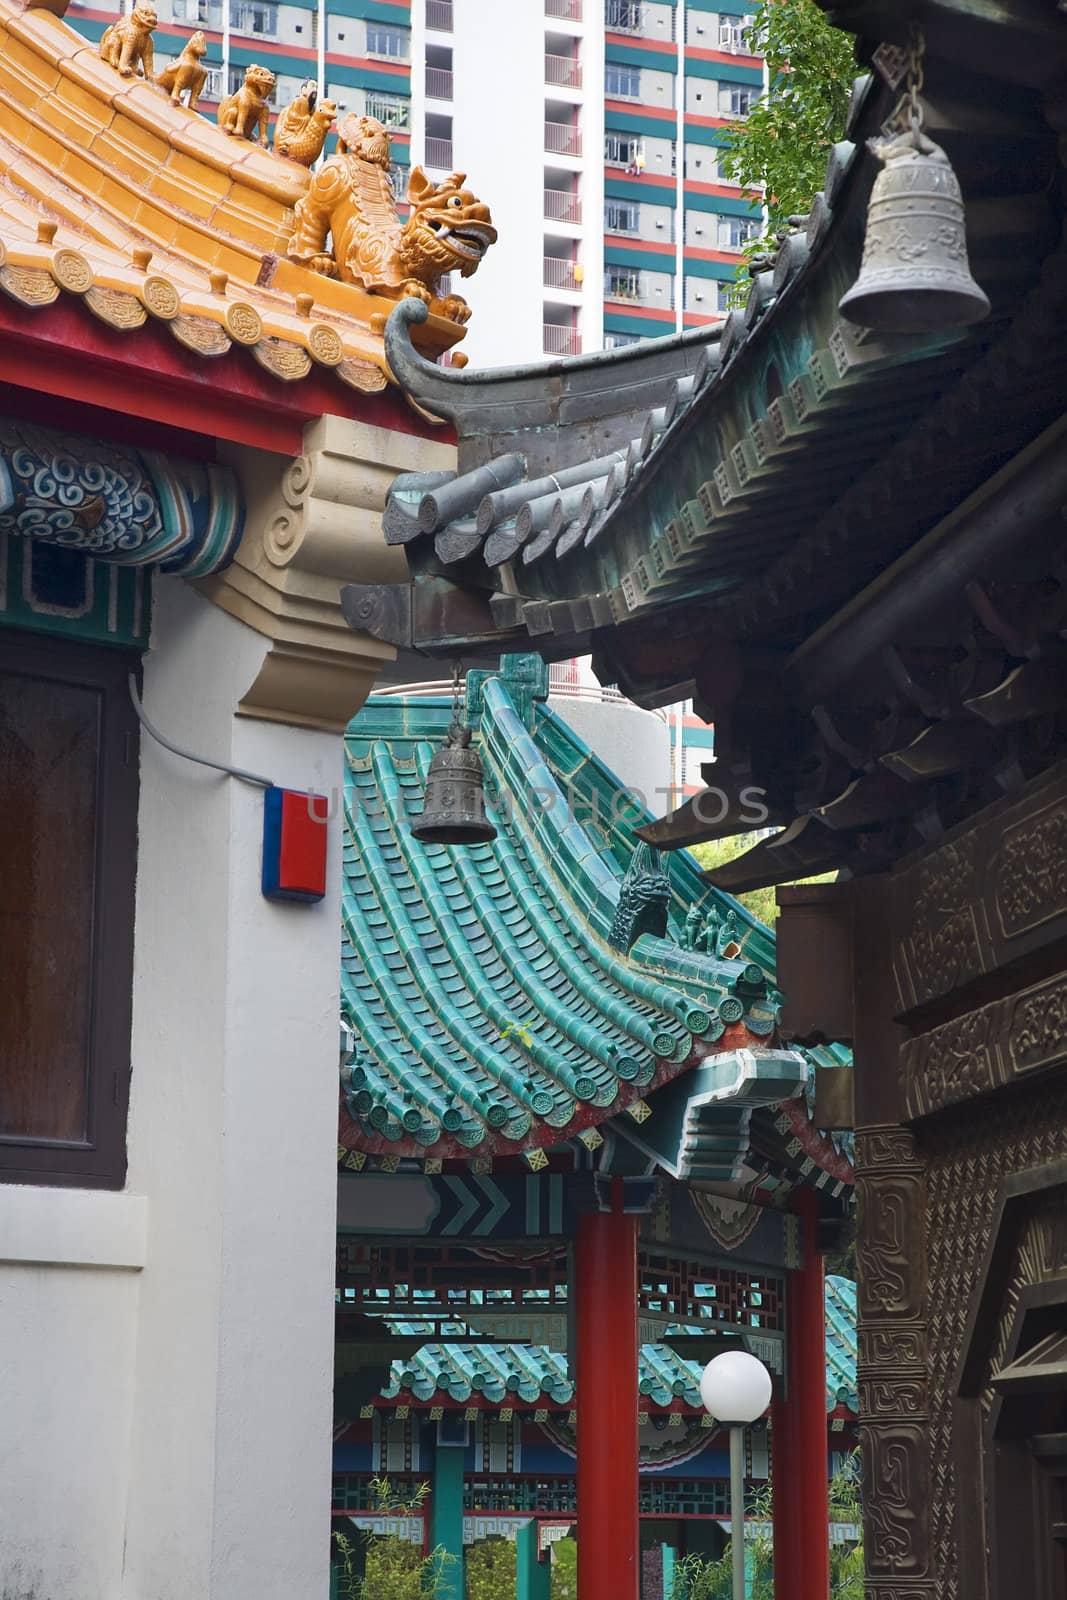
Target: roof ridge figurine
[
  {"x": 351, "y": 204},
  {"x": 187, "y": 75},
  {"x": 127, "y": 44},
  {"x": 249, "y": 106},
  {"x": 300, "y": 132}
]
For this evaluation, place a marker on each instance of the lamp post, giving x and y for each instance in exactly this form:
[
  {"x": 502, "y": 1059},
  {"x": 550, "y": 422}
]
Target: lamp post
[{"x": 736, "y": 1389}]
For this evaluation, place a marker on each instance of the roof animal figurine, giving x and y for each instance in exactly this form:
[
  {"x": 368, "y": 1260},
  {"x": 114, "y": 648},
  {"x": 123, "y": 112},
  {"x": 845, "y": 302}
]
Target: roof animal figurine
[
  {"x": 187, "y": 75},
  {"x": 644, "y": 900},
  {"x": 351, "y": 204},
  {"x": 249, "y": 109},
  {"x": 303, "y": 125},
  {"x": 127, "y": 44}
]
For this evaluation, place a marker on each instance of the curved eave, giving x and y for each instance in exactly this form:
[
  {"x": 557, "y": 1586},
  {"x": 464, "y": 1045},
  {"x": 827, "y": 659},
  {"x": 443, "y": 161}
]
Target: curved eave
[
  {"x": 532, "y": 1376},
  {"x": 491, "y": 1014}
]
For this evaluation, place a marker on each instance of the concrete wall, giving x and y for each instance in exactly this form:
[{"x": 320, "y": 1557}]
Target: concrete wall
[
  {"x": 166, "y": 1380},
  {"x": 635, "y": 744}
]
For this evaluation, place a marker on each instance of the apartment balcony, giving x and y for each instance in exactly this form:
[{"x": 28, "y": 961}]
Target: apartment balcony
[
  {"x": 564, "y": 71},
  {"x": 439, "y": 154},
  {"x": 439, "y": 15},
  {"x": 561, "y": 341},
  {"x": 559, "y": 273},
  {"x": 562, "y": 139},
  {"x": 622, "y": 16},
  {"x": 389, "y": 110},
  {"x": 438, "y": 83},
  {"x": 570, "y": 10},
  {"x": 562, "y": 206}
]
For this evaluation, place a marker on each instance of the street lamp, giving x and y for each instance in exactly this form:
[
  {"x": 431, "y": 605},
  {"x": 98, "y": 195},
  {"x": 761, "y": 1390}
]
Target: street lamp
[{"x": 736, "y": 1389}]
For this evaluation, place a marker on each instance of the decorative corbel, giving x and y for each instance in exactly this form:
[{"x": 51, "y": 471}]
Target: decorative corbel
[{"x": 312, "y": 525}]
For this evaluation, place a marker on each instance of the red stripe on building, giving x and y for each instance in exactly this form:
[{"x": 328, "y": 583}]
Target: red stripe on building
[
  {"x": 623, "y": 308},
  {"x": 727, "y": 57},
  {"x": 660, "y": 46},
  {"x": 633, "y": 108},
  {"x": 628, "y": 242},
  {"x": 731, "y": 257}
]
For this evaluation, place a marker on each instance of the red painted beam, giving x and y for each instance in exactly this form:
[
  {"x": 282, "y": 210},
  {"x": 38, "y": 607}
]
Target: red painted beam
[
  {"x": 606, "y": 1294},
  {"x": 65, "y": 352}
]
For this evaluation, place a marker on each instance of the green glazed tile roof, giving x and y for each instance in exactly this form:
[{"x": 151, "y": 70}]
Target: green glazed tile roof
[
  {"x": 510, "y": 1374},
  {"x": 490, "y": 1012}
]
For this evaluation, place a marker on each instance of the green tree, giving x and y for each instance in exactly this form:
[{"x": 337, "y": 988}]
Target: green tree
[
  {"x": 389, "y": 1568},
  {"x": 565, "y": 1570},
  {"x": 781, "y": 146},
  {"x": 697, "y": 1578},
  {"x": 491, "y": 1570},
  {"x": 761, "y": 902}
]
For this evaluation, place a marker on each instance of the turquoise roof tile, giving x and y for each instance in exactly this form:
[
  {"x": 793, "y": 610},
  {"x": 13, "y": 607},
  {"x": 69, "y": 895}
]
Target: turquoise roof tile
[
  {"x": 491, "y": 1010},
  {"x": 531, "y": 1374}
]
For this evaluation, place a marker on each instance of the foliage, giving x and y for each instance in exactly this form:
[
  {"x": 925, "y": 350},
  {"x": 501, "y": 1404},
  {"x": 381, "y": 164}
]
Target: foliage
[
  {"x": 761, "y": 902},
  {"x": 394, "y": 1568},
  {"x": 696, "y": 1578},
  {"x": 491, "y": 1570},
  {"x": 565, "y": 1570},
  {"x": 781, "y": 146}
]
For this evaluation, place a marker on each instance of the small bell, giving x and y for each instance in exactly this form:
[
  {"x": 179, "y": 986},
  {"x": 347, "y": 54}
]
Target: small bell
[
  {"x": 915, "y": 277},
  {"x": 454, "y": 809}
]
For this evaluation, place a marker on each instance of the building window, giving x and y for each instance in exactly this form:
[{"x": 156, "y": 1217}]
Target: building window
[
  {"x": 622, "y": 283},
  {"x": 623, "y": 16},
  {"x": 738, "y": 102},
  {"x": 621, "y": 149},
  {"x": 733, "y": 32},
  {"x": 735, "y": 232},
  {"x": 622, "y": 83},
  {"x": 205, "y": 13},
  {"x": 391, "y": 110},
  {"x": 621, "y": 217},
  {"x": 68, "y": 794},
  {"x": 254, "y": 16},
  {"x": 383, "y": 40},
  {"x": 619, "y": 341}
]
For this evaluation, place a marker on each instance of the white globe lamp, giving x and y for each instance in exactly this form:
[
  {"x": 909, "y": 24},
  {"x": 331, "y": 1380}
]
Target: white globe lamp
[{"x": 736, "y": 1389}]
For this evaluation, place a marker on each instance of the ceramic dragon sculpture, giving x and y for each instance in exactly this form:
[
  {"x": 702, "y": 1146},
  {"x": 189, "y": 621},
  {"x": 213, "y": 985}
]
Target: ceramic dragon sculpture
[{"x": 347, "y": 225}]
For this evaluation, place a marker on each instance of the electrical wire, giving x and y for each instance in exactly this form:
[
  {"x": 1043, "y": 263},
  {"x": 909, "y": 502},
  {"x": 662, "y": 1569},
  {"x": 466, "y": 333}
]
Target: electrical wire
[{"x": 187, "y": 755}]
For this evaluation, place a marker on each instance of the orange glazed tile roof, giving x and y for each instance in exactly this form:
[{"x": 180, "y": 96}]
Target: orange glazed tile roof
[{"x": 143, "y": 209}]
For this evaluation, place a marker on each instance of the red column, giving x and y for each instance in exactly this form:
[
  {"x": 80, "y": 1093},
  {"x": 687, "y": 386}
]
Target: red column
[
  {"x": 605, "y": 1288},
  {"x": 801, "y": 1456}
]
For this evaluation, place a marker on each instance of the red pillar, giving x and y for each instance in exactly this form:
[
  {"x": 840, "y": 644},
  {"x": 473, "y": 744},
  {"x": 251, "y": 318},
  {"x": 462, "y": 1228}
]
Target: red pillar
[
  {"x": 801, "y": 1455},
  {"x": 605, "y": 1288}
]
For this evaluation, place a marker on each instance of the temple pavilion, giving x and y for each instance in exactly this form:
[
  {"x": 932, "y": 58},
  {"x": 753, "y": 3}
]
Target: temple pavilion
[{"x": 558, "y": 1034}]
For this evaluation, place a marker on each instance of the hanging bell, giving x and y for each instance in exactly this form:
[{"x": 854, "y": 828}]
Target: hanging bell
[
  {"x": 915, "y": 277},
  {"x": 454, "y": 809}
]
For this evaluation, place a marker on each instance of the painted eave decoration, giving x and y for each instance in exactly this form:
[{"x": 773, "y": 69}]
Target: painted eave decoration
[
  {"x": 138, "y": 207},
  {"x": 496, "y": 1009}
]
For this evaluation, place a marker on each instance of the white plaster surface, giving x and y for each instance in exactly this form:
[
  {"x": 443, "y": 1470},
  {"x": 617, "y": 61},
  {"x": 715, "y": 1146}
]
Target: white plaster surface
[
  {"x": 635, "y": 744},
  {"x": 166, "y": 1376}
]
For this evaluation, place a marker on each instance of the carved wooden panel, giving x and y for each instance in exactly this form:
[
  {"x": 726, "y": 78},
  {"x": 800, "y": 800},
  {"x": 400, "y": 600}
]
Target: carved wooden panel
[
  {"x": 984, "y": 898},
  {"x": 892, "y": 1361},
  {"x": 967, "y": 1157},
  {"x": 985, "y": 1049}
]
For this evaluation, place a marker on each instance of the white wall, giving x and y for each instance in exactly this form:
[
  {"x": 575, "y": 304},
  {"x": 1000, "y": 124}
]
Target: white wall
[
  {"x": 635, "y": 744},
  {"x": 233, "y": 1127},
  {"x": 69, "y": 1264},
  {"x": 166, "y": 1367}
]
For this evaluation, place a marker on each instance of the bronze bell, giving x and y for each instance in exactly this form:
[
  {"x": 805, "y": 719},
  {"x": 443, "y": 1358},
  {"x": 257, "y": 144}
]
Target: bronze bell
[
  {"x": 454, "y": 809},
  {"x": 915, "y": 277}
]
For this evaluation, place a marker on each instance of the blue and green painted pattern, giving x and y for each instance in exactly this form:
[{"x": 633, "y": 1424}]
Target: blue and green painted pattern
[
  {"x": 634, "y": 55},
  {"x": 490, "y": 1010},
  {"x": 509, "y": 1374},
  {"x": 129, "y": 507},
  {"x": 48, "y": 589}
]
